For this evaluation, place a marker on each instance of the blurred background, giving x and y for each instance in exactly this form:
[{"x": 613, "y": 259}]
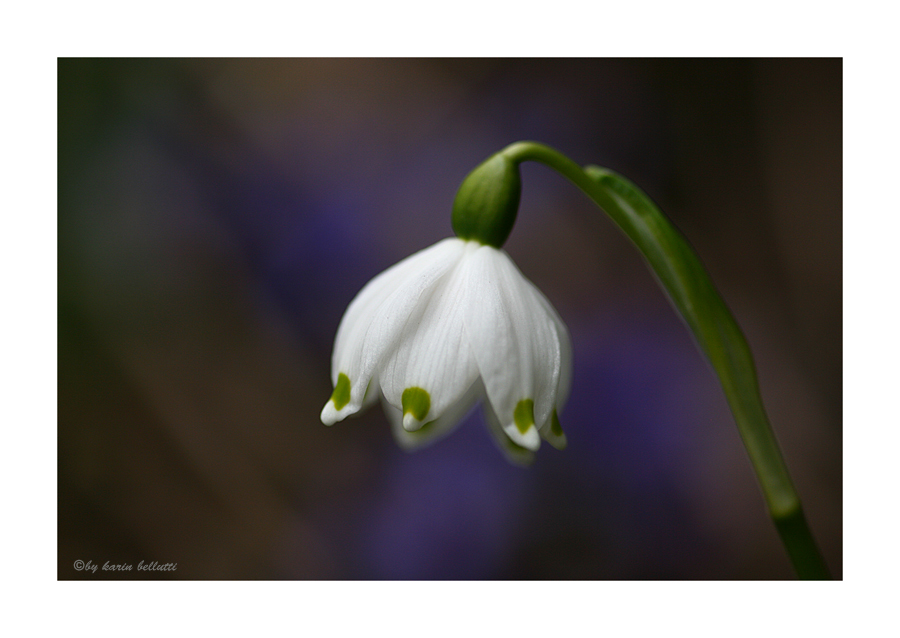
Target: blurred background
[{"x": 217, "y": 216}]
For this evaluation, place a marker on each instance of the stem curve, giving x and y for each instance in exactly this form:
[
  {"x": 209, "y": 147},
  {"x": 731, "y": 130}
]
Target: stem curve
[{"x": 685, "y": 280}]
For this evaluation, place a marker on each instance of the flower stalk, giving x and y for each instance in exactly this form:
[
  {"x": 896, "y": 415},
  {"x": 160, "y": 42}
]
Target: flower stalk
[
  {"x": 687, "y": 284},
  {"x": 457, "y": 323}
]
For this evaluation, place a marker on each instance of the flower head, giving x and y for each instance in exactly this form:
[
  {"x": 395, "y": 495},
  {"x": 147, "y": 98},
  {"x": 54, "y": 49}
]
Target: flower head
[{"x": 445, "y": 327}]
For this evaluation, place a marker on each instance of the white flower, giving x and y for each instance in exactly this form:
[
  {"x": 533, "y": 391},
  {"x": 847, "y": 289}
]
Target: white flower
[{"x": 444, "y": 327}]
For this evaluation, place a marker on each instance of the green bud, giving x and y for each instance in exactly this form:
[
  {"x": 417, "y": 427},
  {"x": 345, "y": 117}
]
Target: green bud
[{"x": 487, "y": 201}]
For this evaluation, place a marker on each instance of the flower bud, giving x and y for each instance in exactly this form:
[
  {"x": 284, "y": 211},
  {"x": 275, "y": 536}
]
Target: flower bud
[{"x": 487, "y": 201}]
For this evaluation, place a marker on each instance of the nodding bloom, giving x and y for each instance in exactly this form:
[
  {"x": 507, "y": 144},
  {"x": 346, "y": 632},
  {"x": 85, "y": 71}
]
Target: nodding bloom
[{"x": 453, "y": 324}]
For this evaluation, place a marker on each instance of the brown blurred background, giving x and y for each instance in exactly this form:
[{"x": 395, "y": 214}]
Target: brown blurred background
[{"x": 216, "y": 217}]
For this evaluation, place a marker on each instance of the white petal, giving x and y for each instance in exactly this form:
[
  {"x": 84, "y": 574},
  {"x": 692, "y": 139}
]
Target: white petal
[
  {"x": 515, "y": 342},
  {"x": 551, "y": 431},
  {"x": 565, "y": 351},
  {"x": 434, "y": 354},
  {"x": 330, "y": 414},
  {"x": 513, "y": 452},
  {"x": 434, "y": 430},
  {"x": 555, "y": 436},
  {"x": 377, "y": 317}
]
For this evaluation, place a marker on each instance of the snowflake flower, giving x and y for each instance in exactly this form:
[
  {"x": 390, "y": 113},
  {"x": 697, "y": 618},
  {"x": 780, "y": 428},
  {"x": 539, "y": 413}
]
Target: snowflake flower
[{"x": 445, "y": 327}]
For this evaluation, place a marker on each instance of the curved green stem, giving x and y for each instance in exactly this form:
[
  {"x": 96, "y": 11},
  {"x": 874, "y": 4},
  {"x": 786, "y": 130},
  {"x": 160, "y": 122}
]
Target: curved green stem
[{"x": 685, "y": 280}]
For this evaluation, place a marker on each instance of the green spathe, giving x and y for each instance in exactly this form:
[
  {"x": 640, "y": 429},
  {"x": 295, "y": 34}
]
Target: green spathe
[{"x": 487, "y": 201}]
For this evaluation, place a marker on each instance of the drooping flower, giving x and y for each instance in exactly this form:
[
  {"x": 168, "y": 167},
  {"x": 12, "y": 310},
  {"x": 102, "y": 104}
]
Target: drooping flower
[
  {"x": 447, "y": 326},
  {"x": 455, "y": 323}
]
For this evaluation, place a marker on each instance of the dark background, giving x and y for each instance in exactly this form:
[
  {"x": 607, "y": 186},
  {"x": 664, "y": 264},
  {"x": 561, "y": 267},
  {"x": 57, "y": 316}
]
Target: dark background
[{"x": 217, "y": 216}]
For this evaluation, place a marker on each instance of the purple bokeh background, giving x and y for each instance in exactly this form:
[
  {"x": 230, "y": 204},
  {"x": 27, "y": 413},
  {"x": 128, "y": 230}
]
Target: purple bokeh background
[{"x": 217, "y": 216}]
